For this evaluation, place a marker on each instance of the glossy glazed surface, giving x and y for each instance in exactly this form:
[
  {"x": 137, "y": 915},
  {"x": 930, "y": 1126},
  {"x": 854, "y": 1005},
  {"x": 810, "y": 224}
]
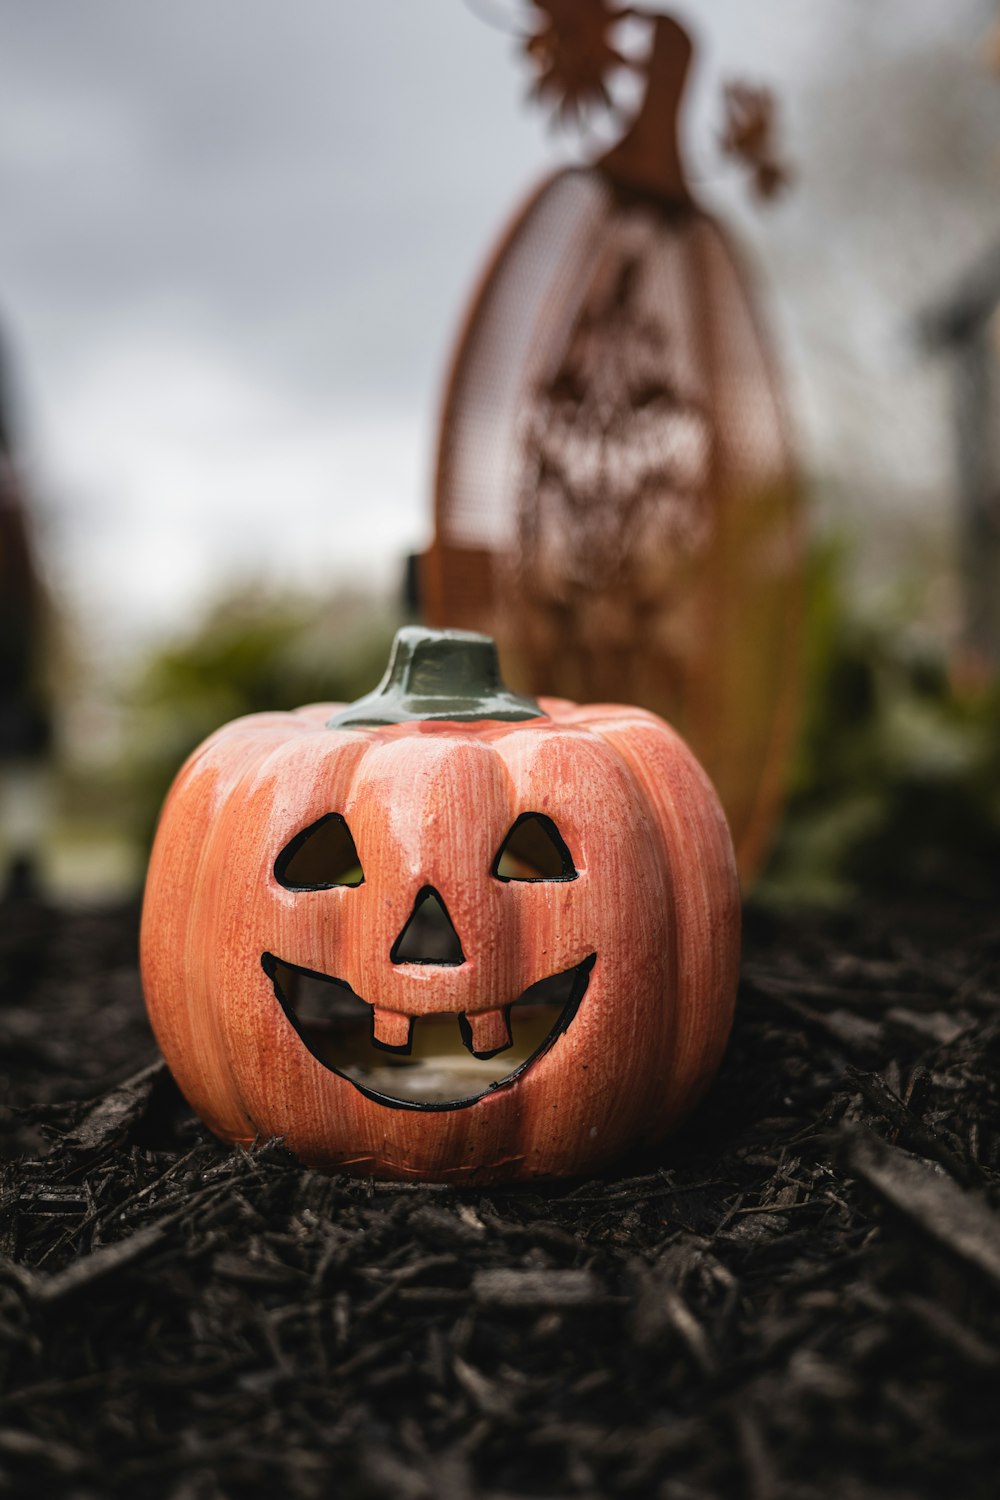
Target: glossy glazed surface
[{"x": 652, "y": 914}]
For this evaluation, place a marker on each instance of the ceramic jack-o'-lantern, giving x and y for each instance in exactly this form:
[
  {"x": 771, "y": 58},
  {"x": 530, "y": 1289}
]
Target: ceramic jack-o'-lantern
[{"x": 445, "y": 932}]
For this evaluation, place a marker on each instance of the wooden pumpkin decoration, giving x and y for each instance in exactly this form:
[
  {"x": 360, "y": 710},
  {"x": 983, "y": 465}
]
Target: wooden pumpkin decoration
[
  {"x": 446, "y": 932},
  {"x": 615, "y": 497}
]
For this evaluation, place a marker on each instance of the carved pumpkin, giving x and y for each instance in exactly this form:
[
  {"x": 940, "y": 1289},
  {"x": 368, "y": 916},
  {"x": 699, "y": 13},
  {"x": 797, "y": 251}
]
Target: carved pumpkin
[{"x": 445, "y": 932}]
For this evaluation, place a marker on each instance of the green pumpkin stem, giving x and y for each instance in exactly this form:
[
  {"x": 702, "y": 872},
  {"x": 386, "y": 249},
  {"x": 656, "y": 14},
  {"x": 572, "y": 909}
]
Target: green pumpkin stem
[{"x": 438, "y": 674}]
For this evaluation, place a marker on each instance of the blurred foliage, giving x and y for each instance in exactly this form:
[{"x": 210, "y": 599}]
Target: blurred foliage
[
  {"x": 253, "y": 652},
  {"x": 896, "y": 778}
]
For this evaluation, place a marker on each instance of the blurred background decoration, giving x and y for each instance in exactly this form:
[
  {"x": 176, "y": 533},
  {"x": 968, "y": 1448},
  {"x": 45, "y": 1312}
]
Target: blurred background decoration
[
  {"x": 233, "y": 246},
  {"x": 616, "y": 500},
  {"x": 25, "y": 726},
  {"x": 966, "y": 326}
]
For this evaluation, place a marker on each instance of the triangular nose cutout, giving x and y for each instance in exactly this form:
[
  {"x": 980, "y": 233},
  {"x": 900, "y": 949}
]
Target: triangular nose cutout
[{"x": 428, "y": 936}]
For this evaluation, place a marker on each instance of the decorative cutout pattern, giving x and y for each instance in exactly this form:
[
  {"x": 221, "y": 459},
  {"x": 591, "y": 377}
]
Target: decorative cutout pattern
[
  {"x": 449, "y": 1059},
  {"x": 320, "y": 857},
  {"x": 429, "y": 936},
  {"x": 534, "y": 850}
]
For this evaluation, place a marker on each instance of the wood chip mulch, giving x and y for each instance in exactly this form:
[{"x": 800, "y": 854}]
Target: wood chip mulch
[{"x": 797, "y": 1297}]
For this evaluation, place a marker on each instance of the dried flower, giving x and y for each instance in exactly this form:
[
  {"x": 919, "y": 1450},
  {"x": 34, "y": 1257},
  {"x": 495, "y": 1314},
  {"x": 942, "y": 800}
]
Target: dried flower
[
  {"x": 572, "y": 54},
  {"x": 749, "y": 137}
]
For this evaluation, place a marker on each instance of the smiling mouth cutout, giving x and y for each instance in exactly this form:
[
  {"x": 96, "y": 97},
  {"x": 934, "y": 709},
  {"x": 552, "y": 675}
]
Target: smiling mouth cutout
[{"x": 444, "y": 1060}]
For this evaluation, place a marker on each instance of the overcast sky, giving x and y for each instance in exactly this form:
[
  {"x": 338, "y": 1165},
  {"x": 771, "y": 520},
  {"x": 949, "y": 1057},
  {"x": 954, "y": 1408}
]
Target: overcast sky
[{"x": 237, "y": 236}]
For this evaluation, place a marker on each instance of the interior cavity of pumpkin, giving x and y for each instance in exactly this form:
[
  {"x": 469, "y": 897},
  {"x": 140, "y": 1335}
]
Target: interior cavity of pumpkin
[{"x": 438, "y": 1068}]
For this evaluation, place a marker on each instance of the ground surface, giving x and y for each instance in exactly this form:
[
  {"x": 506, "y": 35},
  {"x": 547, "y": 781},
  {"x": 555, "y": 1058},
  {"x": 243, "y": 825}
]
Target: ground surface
[{"x": 798, "y": 1297}]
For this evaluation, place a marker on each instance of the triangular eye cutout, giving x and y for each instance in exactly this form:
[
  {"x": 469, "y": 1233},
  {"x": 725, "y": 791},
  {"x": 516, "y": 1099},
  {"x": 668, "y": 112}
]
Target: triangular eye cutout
[
  {"x": 429, "y": 936},
  {"x": 321, "y": 856},
  {"x": 534, "y": 849}
]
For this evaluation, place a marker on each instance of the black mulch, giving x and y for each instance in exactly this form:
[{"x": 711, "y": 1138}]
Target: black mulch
[{"x": 798, "y": 1297}]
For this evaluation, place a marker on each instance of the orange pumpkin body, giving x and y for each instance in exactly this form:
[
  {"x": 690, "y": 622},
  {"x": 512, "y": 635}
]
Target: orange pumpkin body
[{"x": 647, "y": 924}]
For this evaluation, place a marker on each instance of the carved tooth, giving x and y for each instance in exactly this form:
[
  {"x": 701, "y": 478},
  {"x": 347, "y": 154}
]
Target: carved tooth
[
  {"x": 390, "y": 1029},
  {"x": 486, "y": 1032}
]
